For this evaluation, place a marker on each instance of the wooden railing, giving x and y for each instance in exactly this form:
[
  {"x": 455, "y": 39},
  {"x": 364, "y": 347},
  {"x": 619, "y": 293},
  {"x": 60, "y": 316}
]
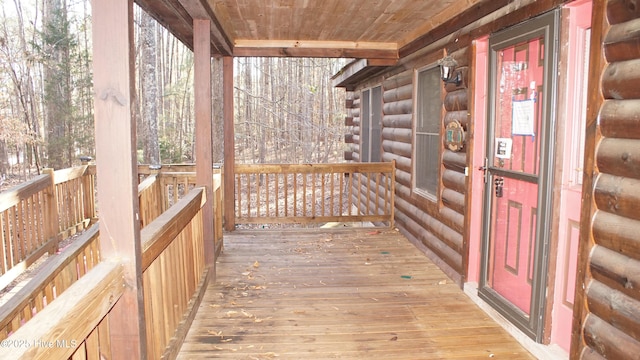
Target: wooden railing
[
  {"x": 63, "y": 311},
  {"x": 313, "y": 193},
  {"x": 57, "y": 275},
  {"x": 34, "y": 216},
  {"x": 75, "y": 196},
  {"x": 150, "y": 196},
  {"x": 173, "y": 272},
  {"x": 75, "y": 325},
  {"x": 160, "y": 188}
]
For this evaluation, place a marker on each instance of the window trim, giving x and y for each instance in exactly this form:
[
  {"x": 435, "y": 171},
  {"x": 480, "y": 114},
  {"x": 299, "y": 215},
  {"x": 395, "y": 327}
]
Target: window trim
[
  {"x": 369, "y": 121},
  {"x": 416, "y": 191}
]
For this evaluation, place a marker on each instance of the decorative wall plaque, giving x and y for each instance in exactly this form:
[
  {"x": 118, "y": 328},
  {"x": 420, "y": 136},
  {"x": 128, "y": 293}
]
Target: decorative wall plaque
[{"x": 454, "y": 136}]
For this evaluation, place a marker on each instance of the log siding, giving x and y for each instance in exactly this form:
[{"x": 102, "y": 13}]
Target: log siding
[
  {"x": 607, "y": 313},
  {"x": 436, "y": 226},
  {"x": 607, "y": 301}
]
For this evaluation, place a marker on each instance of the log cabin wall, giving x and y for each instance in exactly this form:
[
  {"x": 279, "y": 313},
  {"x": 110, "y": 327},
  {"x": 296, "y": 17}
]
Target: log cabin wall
[
  {"x": 352, "y": 121},
  {"x": 436, "y": 225},
  {"x": 607, "y": 312},
  {"x": 440, "y": 227}
]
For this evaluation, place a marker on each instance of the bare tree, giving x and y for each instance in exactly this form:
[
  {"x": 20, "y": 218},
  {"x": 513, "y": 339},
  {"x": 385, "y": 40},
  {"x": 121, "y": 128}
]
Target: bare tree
[
  {"x": 217, "y": 114},
  {"x": 149, "y": 90},
  {"x": 57, "y": 79},
  {"x": 287, "y": 111}
]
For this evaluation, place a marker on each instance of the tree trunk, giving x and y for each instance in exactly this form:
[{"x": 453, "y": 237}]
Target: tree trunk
[
  {"x": 149, "y": 86},
  {"x": 217, "y": 126},
  {"x": 4, "y": 161},
  {"x": 57, "y": 80},
  {"x": 248, "y": 150}
]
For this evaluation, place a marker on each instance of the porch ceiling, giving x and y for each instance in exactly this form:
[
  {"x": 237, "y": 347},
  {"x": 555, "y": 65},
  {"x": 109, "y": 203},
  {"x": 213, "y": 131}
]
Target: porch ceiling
[{"x": 365, "y": 29}]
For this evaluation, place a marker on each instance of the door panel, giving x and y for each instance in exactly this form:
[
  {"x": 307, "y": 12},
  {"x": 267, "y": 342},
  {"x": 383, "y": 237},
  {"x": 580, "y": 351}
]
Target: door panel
[
  {"x": 519, "y": 156},
  {"x": 514, "y": 229}
]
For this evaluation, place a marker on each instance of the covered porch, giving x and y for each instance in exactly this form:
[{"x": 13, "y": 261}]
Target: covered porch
[
  {"x": 334, "y": 291},
  {"x": 157, "y": 280},
  {"x": 338, "y": 293}
]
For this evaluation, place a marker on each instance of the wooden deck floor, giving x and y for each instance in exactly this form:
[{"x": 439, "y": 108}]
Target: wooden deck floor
[{"x": 348, "y": 294}]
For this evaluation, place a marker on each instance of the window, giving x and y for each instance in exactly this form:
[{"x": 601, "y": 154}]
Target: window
[
  {"x": 427, "y": 142},
  {"x": 371, "y": 125}
]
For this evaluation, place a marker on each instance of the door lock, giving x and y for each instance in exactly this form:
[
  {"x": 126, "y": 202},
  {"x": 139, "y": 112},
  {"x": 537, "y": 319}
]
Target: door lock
[{"x": 499, "y": 183}]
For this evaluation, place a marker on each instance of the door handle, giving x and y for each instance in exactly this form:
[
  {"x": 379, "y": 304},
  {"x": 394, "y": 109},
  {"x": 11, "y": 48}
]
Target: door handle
[
  {"x": 499, "y": 183},
  {"x": 484, "y": 169}
]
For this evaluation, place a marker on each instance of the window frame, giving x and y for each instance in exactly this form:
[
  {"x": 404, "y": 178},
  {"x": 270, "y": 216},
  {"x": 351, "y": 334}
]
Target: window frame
[
  {"x": 415, "y": 187},
  {"x": 369, "y": 147}
]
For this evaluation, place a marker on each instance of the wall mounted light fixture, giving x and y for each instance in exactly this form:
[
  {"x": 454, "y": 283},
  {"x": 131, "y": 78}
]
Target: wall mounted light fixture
[{"x": 448, "y": 72}]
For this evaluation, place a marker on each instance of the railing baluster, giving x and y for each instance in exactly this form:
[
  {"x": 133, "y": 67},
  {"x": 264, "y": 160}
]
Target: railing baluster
[
  {"x": 248, "y": 179},
  {"x": 377, "y": 204},
  {"x": 277, "y": 192},
  {"x": 37, "y": 220},
  {"x": 323, "y": 211},
  {"x": 341, "y": 198},
  {"x": 295, "y": 194},
  {"x": 15, "y": 246},
  {"x": 314, "y": 184},
  {"x": 359, "y": 191},
  {"x": 258, "y": 177},
  {"x": 238, "y": 196},
  {"x": 30, "y": 242},
  {"x": 4, "y": 226},
  {"x": 304, "y": 195},
  {"x": 266, "y": 193},
  {"x": 333, "y": 190},
  {"x": 286, "y": 195},
  {"x": 350, "y": 203},
  {"x": 368, "y": 199}
]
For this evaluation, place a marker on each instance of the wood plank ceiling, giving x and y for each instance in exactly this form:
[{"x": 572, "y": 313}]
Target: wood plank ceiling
[{"x": 378, "y": 30}]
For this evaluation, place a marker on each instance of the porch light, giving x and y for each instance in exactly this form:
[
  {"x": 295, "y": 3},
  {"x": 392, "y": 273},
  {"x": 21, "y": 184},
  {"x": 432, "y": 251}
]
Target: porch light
[{"x": 448, "y": 72}]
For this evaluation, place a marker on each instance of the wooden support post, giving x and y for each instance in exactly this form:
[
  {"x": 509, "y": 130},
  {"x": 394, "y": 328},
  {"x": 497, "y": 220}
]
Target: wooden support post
[
  {"x": 204, "y": 147},
  {"x": 229, "y": 144},
  {"x": 113, "y": 74}
]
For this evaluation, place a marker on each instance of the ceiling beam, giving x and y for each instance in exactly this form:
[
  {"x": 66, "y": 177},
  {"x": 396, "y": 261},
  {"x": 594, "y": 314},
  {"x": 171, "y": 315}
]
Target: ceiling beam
[
  {"x": 470, "y": 15},
  {"x": 326, "y": 49},
  {"x": 199, "y": 9}
]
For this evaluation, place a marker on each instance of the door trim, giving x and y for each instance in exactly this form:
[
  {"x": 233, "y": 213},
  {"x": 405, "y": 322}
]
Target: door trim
[{"x": 548, "y": 25}]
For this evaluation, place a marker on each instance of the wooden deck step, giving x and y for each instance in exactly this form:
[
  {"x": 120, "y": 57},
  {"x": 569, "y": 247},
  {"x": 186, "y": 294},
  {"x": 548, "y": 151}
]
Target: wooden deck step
[{"x": 338, "y": 294}]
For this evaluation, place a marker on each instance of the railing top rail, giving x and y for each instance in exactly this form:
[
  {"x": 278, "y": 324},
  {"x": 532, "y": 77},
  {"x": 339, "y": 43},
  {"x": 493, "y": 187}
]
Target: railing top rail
[
  {"x": 147, "y": 183},
  {"x": 14, "y": 195},
  {"x": 145, "y": 169},
  {"x": 313, "y": 168},
  {"x": 45, "y": 276},
  {"x": 177, "y": 173},
  {"x": 71, "y": 317},
  {"x": 75, "y": 172}
]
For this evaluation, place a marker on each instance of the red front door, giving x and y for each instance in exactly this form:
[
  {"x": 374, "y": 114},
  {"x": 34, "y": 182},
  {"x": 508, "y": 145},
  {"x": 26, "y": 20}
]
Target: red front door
[
  {"x": 518, "y": 153},
  {"x": 516, "y": 163}
]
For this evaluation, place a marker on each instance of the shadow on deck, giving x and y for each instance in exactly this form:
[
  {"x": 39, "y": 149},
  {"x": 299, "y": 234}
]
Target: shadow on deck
[{"x": 344, "y": 293}]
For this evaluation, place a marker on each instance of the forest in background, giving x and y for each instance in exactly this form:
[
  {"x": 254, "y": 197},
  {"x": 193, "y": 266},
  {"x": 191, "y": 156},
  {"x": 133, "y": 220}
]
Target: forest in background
[{"x": 285, "y": 108}]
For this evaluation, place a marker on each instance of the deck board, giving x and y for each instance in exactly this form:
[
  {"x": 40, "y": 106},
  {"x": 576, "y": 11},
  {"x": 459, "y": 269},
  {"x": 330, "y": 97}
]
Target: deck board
[{"x": 338, "y": 294}]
